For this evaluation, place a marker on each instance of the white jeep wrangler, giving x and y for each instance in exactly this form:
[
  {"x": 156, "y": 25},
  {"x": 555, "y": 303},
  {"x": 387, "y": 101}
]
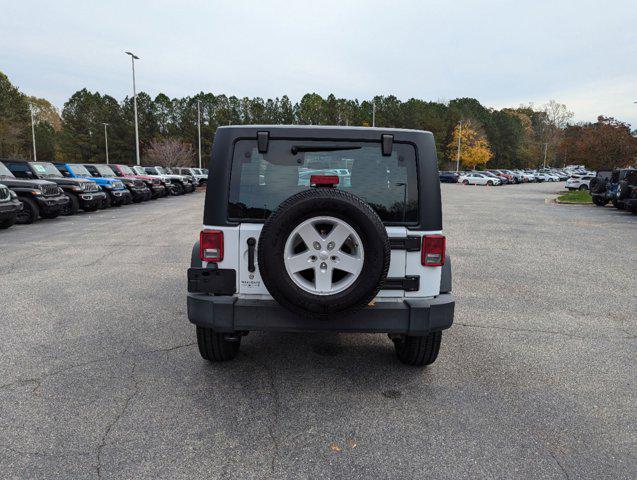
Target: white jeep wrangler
[{"x": 358, "y": 250}]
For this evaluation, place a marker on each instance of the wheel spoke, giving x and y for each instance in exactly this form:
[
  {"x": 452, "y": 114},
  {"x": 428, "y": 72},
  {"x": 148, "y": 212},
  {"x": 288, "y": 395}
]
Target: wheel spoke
[
  {"x": 338, "y": 235},
  {"x": 348, "y": 263},
  {"x": 309, "y": 235},
  {"x": 323, "y": 279},
  {"x": 299, "y": 262}
]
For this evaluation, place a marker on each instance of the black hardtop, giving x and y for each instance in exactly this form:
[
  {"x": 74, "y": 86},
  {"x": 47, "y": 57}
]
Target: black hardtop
[{"x": 220, "y": 165}]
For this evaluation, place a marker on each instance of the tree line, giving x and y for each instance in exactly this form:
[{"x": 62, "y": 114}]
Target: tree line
[{"x": 517, "y": 137}]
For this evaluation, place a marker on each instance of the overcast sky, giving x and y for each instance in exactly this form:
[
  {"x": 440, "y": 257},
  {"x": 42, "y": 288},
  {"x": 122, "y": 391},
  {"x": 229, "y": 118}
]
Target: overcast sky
[{"x": 504, "y": 53}]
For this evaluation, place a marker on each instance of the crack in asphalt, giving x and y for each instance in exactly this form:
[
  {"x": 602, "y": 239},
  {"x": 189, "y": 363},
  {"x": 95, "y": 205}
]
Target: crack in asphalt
[
  {"x": 39, "y": 380},
  {"x": 135, "y": 390},
  {"x": 118, "y": 416},
  {"x": 559, "y": 464}
]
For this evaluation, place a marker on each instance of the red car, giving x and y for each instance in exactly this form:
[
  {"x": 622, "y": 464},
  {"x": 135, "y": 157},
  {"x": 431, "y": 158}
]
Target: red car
[
  {"x": 507, "y": 176},
  {"x": 157, "y": 187}
]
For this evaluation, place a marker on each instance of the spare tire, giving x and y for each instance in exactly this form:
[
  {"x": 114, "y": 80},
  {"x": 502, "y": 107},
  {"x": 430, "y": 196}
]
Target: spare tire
[
  {"x": 597, "y": 185},
  {"x": 323, "y": 252}
]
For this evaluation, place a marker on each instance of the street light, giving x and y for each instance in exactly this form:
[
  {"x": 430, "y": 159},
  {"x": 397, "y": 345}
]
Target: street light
[
  {"x": 35, "y": 154},
  {"x": 373, "y": 113},
  {"x": 134, "y": 57},
  {"x": 546, "y": 146},
  {"x": 459, "y": 138},
  {"x": 199, "y": 128},
  {"x": 106, "y": 141}
]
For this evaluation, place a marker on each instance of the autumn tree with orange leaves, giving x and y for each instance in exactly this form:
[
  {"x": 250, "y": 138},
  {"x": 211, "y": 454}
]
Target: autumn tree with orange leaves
[{"x": 474, "y": 146}]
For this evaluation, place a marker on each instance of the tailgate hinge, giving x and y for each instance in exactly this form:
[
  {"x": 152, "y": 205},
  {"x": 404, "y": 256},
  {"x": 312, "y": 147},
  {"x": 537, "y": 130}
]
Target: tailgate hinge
[
  {"x": 410, "y": 243},
  {"x": 410, "y": 283}
]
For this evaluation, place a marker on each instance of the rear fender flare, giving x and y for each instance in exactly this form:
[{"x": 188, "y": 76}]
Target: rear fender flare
[{"x": 445, "y": 277}]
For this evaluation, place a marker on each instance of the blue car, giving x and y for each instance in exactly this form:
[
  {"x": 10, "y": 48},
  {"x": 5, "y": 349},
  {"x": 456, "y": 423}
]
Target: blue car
[{"x": 116, "y": 192}]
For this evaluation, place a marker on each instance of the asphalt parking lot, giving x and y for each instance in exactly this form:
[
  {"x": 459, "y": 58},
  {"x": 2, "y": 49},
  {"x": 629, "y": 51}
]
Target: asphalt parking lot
[{"x": 101, "y": 377}]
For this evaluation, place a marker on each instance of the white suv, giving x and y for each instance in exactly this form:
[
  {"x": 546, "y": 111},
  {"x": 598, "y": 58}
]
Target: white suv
[
  {"x": 278, "y": 254},
  {"x": 579, "y": 182}
]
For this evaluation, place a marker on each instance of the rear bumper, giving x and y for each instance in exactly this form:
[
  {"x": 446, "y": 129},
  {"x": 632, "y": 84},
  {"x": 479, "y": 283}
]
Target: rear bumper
[{"x": 409, "y": 317}]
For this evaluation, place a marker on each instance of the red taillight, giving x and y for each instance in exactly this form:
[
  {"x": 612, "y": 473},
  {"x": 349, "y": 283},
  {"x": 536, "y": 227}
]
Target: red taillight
[
  {"x": 324, "y": 180},
  {"x": 433, "y": 250},
  {"x": 211, "y": 245}
]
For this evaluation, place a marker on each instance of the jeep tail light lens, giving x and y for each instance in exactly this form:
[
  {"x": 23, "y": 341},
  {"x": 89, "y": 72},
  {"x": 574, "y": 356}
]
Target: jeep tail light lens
[
  {"x": 324, "y": 180},
  {"x": 211, "y": 245},
  {"x": 433, "y": 250}
]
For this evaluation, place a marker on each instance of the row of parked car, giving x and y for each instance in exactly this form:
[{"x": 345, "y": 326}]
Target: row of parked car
[
  {"x": 503, "y": 177},
  {"x": 33, "y": 190}
]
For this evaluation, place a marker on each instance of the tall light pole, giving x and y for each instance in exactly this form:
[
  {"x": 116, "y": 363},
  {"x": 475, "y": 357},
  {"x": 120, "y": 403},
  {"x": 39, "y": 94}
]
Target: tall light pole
[
  {"x": 199, "y": 128},
  {"x": 459, "y": 139},
  {"x": 373, "y": 113},
  {"x": 106, "y": 141},
  {"x": 545, "y": 148},
  {"x": 35, "y": 154},
  {"x": 134, "y": 57}
]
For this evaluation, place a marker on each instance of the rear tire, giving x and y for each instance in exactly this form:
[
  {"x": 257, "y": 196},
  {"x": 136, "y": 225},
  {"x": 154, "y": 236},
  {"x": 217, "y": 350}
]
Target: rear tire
[
  {"x": 418, "y": 351},
  {"x": 30, "y": 211},
  {"x": 214, "y": 347},
  {"x": 599, "y": 201},
  {"x": 583, "y": 187},
  {"x": 178, "y": 189},
  {"x": 465, "y": 182}
]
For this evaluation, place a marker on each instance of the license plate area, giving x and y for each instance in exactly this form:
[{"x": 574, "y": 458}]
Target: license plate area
[{"x": 216, "y": 281}]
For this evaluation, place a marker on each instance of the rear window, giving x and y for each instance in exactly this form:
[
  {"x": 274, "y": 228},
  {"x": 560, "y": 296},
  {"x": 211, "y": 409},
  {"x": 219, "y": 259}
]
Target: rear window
[{"x": 261, "y": 181}]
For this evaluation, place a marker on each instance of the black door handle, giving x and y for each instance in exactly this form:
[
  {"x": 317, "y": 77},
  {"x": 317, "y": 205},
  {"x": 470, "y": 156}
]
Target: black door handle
[{"x": 251, "y": 244}]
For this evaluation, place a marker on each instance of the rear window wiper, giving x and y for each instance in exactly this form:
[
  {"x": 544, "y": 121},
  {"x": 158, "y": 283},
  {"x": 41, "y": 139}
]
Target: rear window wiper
[{"x": 321, "y": 148}]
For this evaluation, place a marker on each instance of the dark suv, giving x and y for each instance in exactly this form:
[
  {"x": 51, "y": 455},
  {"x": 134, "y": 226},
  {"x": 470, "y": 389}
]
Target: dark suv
[
  {"x": 10, "y": 206},
  {"x": 627, "y": 190},
  {"x": 39, "y": 198},
  {"x": 83, "y": 194},
  {"x": 357, "y": 251}
]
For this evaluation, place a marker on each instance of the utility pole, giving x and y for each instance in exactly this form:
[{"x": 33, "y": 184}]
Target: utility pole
[
  {"x": 199, "y": 128},
  {"x": 106, "y": 141},
  {"x": 373, "y": 113},
  {"x": 459, "y": 139},
  {"x": 134, "y": 57},
  {"x": 35, "y": 154},
  {"x": 545, "y": 148}
]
